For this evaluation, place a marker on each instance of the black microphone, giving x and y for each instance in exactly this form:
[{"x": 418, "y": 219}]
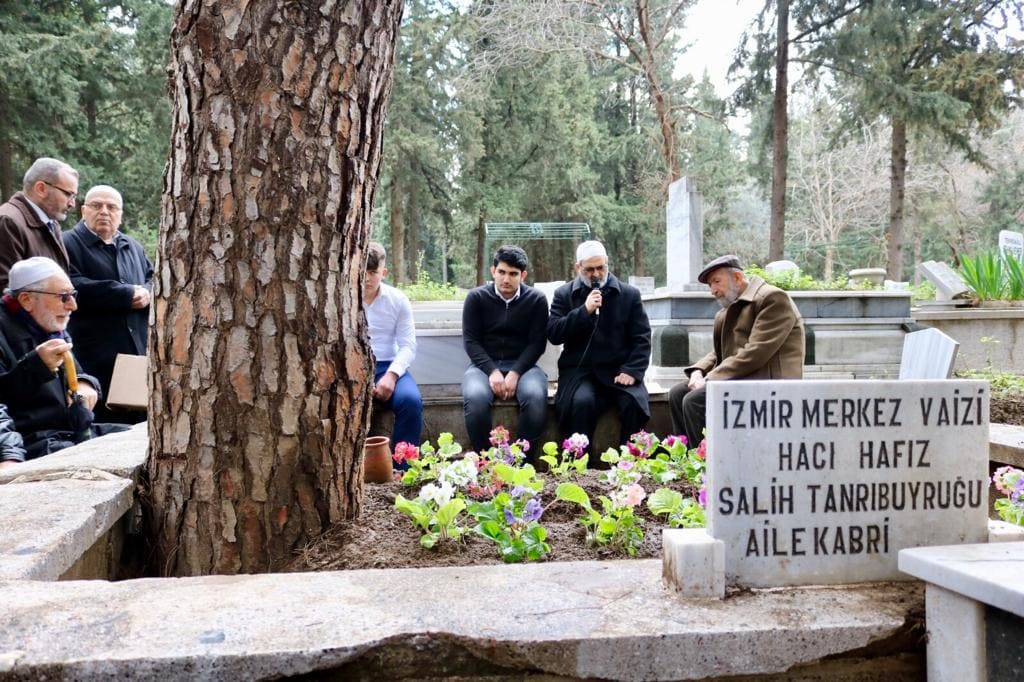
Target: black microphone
[{"x": 595, "y": 285}]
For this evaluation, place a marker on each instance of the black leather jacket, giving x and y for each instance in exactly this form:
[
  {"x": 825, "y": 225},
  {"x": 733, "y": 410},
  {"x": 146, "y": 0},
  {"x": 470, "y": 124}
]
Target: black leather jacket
[{"x": 12, "y": 448}]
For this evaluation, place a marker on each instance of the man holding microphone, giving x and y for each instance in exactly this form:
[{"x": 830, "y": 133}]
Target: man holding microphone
[{"x": 606, "y": 347}]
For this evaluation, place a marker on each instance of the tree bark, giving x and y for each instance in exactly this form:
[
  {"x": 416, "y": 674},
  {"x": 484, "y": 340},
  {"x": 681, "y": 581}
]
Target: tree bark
[
  {"x": 413, "y": 228},
  {"x": 780, "y": 135},
  {"x": 481, "y": 238},
  {"x": 397, "y": 255},
  {"x": 897, "y": 191},
  {"x": 259, "y": 361}
]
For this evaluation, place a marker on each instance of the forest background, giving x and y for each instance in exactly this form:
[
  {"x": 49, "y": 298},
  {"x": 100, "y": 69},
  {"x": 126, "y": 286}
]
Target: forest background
[{"x": 575, "y": 111}]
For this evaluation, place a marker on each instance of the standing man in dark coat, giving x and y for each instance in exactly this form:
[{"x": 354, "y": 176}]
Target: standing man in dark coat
[
  {"x": 114, "y": 279},
  {"x": 759, "y": 334},
  {"x": 606, "y": 340},
  {"x": 503, "y": 326},
  {"x": 29, "y": 220}
]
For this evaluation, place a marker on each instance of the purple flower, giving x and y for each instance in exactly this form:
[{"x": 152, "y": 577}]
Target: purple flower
[
  {"x": 702, "y": 496},
  {"x": 532, "y": 510},
  {"x": 519, "y": 490},
  {"x": 510, "y": 517}
]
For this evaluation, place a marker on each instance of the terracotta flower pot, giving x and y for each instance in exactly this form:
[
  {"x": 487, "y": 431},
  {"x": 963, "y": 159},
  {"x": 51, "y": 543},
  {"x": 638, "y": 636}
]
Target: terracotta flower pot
[{"x": 377, "y": 460}]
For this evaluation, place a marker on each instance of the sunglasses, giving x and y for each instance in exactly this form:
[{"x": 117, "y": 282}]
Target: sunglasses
[{"x": 65, "y": 296}]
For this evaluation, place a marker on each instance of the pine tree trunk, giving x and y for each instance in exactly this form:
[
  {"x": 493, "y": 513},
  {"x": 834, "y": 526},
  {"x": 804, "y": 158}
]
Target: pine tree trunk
[
  {"x": 897, "y": 190},
  {"x": 780, "y": 136},
  {"x": 481, "y": 238},
  {"x": 259, "y": 360},
  {"x": 413, "y": 228},
  {"x": 396, "y": 257}
]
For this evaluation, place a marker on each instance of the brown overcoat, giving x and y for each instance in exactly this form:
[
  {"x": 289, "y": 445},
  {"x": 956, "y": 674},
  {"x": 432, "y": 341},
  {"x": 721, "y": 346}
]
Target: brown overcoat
[
  {"x": 23, "y": 235},
  {"x": 760, "y": 336}
]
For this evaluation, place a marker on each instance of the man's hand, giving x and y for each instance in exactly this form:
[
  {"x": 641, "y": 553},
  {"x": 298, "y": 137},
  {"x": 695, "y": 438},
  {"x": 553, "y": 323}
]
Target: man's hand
[
  {"x": 696, "y": 380},
  {"x": 140, "y": 299},
  {"x": 497, "y": 381},
  {"x": 593, "y": 301},
  {"x": 8, "y": 463},
  {"x": 52, "y": 353},
  {"x": 624, "y": 379},
  {"x": 385, "y": 388},
  {"x": 89, "y": 394},
  {"x": 511, "y": 381}
]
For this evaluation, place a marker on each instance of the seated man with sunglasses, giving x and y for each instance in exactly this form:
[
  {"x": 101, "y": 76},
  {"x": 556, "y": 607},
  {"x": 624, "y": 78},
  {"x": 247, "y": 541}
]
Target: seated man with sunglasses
[
  {"x": 34, "y": 383},
  {"x": 30, "y": 220},
  {"x": 113, "y": 278}
]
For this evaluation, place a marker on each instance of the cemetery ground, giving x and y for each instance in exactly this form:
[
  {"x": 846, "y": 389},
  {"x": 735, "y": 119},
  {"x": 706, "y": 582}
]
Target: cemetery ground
[{"x": 383, "y": 538}]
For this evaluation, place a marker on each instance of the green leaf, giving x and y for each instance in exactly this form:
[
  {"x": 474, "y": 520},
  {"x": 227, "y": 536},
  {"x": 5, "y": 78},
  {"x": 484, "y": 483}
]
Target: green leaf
[
  {"x": 570, "y": 492},
  {"x": 664, "y": 501},
  {"x": 447, "y": 513}
]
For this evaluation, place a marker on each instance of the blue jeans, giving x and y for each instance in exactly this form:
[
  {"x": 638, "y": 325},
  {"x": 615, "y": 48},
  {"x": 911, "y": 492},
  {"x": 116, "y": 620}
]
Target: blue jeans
[
  {"x": 477, "y": 399},
  {"x": 406, "y": 403}
]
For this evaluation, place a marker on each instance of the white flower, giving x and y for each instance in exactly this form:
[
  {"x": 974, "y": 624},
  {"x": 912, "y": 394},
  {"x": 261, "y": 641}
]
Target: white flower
[
  {"x": 458, "y": 473},
  {"x": 439, "y": 495}
]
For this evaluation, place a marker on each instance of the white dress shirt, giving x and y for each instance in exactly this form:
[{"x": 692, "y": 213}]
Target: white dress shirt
[{"x": 392, "y": 332}]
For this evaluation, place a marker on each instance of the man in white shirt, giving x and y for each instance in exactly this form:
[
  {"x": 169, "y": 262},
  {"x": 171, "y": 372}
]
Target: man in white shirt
[{"x": 393, "y": 339}]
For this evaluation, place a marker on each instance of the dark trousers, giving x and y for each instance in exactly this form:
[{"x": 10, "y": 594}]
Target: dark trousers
[
  {"x": 590, "y": 401},
  {"x": 688, "y": 412},
  {"x": 406, "y": 403},
  {"x": 531, "y": 394}
]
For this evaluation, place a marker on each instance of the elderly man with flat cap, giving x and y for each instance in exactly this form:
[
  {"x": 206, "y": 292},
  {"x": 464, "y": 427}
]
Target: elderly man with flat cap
[
  {"x": 759, "y": 334},
  {"x": 606, "y": 347},
  {"x": 48, "y": 395}
]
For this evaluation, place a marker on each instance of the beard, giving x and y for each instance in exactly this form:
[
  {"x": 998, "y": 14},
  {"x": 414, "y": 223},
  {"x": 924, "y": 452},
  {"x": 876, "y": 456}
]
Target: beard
[{"x": 729, "y": 297}]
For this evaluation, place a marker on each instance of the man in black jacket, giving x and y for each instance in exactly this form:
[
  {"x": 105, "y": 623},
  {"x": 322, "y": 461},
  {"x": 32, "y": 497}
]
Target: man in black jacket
[
  {"x": 503, "y": 332},
  {"x": 606, "y": 347},
  {"x": 35, "y": 383},
  {"x": 113, "y": 278}
]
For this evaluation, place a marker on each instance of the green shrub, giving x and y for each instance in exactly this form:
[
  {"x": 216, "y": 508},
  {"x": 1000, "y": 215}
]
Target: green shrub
[
  {"x": 994, "y": 277},
  {"x": 795, "y": 281},
  {"x": 426, "y": 289}
]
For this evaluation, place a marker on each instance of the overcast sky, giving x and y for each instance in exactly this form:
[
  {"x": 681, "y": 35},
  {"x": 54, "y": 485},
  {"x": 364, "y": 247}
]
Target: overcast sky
[{"x": 713, "y": 29}]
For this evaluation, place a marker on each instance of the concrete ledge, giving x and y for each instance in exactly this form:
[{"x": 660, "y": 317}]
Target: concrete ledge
[
  {"x": 47, "y": 525},
  {"x": 1006, "y": 444},
  {"x": 988, "y": 573},
  {"x": 609, "y": 620},
  {"x": 121, "y": 454}
]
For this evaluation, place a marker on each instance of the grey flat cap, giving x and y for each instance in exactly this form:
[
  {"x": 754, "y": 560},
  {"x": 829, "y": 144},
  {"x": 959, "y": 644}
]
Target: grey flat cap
[{"x": 729, "y": 261}]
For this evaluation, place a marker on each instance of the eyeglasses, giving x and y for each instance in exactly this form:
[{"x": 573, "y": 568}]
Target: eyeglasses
[
  {"x": 100, "y": 205},
  {"x": 64, "y": 296},
  {"x": 72, "y": 196}
]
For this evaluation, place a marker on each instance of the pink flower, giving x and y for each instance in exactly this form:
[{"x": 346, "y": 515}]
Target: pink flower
[
  {"x": 635, "y": 494},
  {"x": 702, "y": 496},
  {"x": 625, "y": 465},
  {"x": 672, "y": 441},
  {"x": 499, "y": 436},
  {"x": 702, "y": 449},
  {"x": 576, "y": 444},
  {"x": 404, "y": 452}
]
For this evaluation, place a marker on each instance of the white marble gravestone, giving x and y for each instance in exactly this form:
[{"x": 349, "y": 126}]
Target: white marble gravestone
[
  {"x": 949, "y": 285},
  {"x": 1011, "y": 242},
  {"x": 813, "y": 482},
  {"x": 684, "y": 234}
]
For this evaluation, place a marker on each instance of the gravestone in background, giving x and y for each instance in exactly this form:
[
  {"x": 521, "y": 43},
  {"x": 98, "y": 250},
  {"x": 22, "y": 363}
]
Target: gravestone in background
[
  {"x": 1011, "y": 242},
  {"x": 949, "y": 285},
  {"x": 645, "y": 285},
  {"x": 814, "y": 482},
  {"x": 684, "y": 235}
]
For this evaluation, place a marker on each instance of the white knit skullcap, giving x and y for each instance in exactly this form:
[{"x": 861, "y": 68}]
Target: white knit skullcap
[
  {"x": 589, "y": 250},
  {"x": 27, "y": 272}
]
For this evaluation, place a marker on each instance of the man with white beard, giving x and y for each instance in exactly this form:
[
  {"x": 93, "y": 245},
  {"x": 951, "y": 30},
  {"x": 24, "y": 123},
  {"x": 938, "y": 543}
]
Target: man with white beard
[
  {"x": 759, "y": 334},
  {"x": 49, "y": 397}
]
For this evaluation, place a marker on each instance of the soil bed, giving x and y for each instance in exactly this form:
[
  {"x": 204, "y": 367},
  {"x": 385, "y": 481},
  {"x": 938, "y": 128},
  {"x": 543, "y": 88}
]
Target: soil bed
[
  {"x": 384, "y": 538},
  {"x": 1007, "y": 410}
]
